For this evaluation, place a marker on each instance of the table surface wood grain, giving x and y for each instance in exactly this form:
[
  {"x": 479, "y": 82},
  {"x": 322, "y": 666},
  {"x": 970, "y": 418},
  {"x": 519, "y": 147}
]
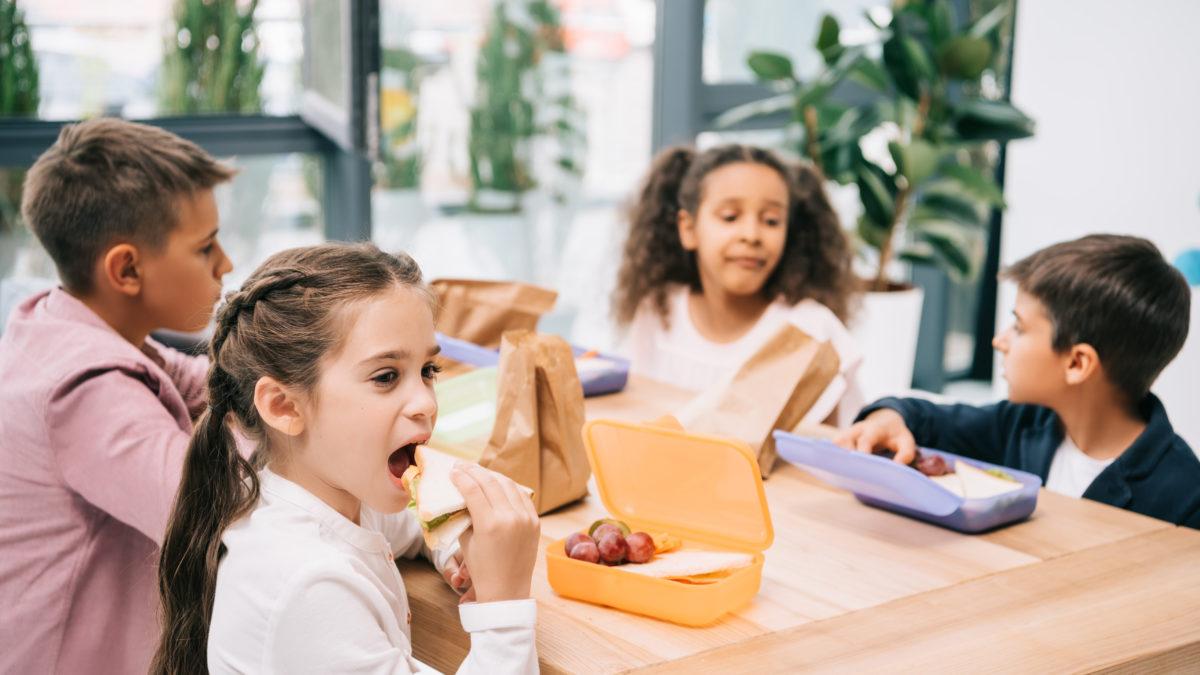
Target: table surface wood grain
[{"x": 1078, "y": 587}]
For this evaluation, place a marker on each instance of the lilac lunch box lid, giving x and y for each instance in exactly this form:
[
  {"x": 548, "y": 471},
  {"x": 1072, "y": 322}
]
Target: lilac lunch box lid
[
  {"x": 602, "y": 381},
  {"x": 880, "y": 482}
]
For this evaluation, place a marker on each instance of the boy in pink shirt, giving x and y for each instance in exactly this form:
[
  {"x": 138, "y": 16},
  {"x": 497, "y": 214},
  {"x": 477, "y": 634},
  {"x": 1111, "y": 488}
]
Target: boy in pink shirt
[{"x": 95, "y": 415}]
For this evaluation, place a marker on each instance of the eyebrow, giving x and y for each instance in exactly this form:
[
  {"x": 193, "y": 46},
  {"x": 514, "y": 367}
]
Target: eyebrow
[
  {"x": 211, "y": 235},
  {"x": 398, "y": 355}
]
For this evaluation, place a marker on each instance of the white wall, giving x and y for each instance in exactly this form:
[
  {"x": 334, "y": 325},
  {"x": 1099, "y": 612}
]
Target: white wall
[{"x": 1115, "y": 90}]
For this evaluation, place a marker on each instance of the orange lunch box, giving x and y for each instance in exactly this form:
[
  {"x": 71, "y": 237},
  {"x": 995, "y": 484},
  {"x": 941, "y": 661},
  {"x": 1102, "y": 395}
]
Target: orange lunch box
[{"x": 705, "y": 490}]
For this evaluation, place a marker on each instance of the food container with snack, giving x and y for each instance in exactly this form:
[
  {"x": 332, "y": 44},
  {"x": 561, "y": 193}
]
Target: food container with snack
[
  {"x": 881, "y": 482},
  {"x": 599, "y": 373},
  {"x": 704, "y": 490}
]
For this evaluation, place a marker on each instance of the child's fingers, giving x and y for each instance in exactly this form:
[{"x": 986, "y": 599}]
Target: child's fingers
[
  {"x": 470, "y": 480},
  {"x": 905, "y": 447},
  {"x": 869, "y": 438},
  {"x": 847, "y": 438}
]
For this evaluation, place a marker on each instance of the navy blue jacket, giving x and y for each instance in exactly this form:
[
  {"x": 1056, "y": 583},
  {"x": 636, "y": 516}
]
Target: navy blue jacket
[{"x": 1158, "y": 475}]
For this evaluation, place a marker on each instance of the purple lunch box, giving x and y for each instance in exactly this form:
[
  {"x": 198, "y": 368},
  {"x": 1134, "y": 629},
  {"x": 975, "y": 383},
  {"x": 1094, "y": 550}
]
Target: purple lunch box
[
  {"x": 885, "y": 484},
  {"x": 595, "y": 382}
]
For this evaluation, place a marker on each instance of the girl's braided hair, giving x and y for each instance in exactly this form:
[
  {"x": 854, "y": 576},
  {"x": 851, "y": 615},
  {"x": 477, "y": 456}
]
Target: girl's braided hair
[{"x": 288, "y": 317}]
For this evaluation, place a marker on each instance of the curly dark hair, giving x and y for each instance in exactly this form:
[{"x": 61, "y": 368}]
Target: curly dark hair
[{"x": 816, "y": 256}]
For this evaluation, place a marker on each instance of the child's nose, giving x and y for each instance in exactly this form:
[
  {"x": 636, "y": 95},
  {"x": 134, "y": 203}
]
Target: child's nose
[
  {"x": 751, "y": 230},
  {"x": 423, "y": 403},
  {"x": 999, "y": 343}
]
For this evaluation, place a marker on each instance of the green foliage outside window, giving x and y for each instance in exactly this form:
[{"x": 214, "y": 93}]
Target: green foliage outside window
[
  {"x": 211, "y": 62},
  {"x": 19, "y": 96},
  {"x": 516, "y": 103}
]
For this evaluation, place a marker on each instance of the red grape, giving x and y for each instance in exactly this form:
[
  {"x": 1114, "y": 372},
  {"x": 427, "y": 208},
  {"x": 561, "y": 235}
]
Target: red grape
[
  {"x": 612, "y": 548},
  {"x": 606, "y": 528},
  {"x": 586, "y": 551},
  {"x": 575, "y": 539},
  {"x": 641, "y": 547}
]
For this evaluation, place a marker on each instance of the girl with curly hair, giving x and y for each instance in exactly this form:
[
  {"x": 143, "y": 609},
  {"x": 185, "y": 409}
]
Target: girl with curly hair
[{"x": 726, "y": 246}]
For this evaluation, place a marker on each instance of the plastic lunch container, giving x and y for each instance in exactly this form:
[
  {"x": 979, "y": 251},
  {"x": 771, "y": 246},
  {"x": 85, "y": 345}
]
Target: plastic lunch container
[
  {"x": 466, "y": 411},
  {"x": 607, "y": 380},
  {"x": 883, "y": 483},
  {"x": 656, "y": 477}
]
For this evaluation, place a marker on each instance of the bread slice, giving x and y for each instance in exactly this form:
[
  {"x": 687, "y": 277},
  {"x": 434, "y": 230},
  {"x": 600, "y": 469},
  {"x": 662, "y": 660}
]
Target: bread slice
[
  {"x": 979, "y": 484},
  {"x": 690, "y": 563}
]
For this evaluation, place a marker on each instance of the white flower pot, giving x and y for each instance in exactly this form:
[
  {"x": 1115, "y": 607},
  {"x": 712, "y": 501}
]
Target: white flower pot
[{"x": 885, "y": 330}]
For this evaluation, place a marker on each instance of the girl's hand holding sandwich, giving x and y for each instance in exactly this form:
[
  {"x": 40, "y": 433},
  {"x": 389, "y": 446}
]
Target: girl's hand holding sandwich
[{"x": 501, "y": 548}]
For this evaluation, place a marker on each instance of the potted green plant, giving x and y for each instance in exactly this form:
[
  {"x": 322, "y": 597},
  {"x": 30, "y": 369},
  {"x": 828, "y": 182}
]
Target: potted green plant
[
  {"x": 926, "y": 199},
  {"x": 19, "y": 96},
  {"x": 525, "y": 133},
  {"x": 522, "y": 97},
  {"x": 211, "y": 65}
]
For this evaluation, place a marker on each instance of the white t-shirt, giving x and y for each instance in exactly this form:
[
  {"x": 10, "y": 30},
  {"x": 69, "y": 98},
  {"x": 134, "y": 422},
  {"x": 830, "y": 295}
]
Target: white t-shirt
[
  {"x": 681, "y": 356},
  {"x": 1072, "y": 471},
  {"x": 304, "y": 590}
]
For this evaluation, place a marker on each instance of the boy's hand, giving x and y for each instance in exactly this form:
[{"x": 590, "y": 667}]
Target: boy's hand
[
  {"x": 501, "y": 547},
  {"x": 882, "y": 429}
]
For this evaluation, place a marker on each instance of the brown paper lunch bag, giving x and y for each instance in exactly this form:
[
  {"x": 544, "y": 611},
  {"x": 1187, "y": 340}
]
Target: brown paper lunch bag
[
  {"x": 772, "y": 390},
  {"x": 537, "y": 438},
  {"x": 481, "y": 311}
]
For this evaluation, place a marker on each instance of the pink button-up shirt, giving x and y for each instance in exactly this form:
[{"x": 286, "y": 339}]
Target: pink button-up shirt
[{"x": 93, "y": 432}]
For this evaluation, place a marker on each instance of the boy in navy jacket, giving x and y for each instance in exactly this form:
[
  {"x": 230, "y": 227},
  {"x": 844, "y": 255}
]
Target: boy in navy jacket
[{"x": 1097, "y": 319}]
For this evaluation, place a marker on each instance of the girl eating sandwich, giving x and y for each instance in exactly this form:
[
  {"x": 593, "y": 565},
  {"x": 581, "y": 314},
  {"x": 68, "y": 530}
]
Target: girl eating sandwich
[{"x": 325, "y": 358}]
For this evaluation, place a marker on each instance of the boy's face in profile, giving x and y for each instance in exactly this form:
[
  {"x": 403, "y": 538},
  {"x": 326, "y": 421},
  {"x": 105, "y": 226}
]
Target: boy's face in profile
[
  {"x": 183, "y": 281},
  {"x": 1033, "y": 370}
]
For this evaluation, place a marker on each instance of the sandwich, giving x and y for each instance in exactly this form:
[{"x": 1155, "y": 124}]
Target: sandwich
[
  {"x": 438, "y": 506},
  {"x": 970, "y": 483}
]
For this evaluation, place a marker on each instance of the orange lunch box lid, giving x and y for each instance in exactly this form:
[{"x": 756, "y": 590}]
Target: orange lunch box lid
[{"x": 657, "y": 477}]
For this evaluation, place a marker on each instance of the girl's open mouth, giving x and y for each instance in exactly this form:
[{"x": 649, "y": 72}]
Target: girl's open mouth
[{"x": 400, "y": 460}]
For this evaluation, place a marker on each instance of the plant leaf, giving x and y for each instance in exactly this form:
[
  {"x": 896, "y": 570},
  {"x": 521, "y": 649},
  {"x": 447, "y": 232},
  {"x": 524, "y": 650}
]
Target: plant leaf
[
  {"x": 828, "y": 39},
  {"x": 964, "y": 57},
  {"x": 915, "y": 161},
  {"x": 873, "y": 234},
  {"x": 989, "y": 21},
  {"x": 941, "y": 23},
  {"x": 943, "y": 206},
  {"x": 908, "y": 64},
  {"x": 950, "y": 247},
  {"x": 975, "y": 182},
  {"x": 868, "y": 73},
  {"x": 759, "y": 108},
  {"x": 771, "y": 66},
  {"x": 876, "y": 199},
  {"x": 981, "y": 119}
]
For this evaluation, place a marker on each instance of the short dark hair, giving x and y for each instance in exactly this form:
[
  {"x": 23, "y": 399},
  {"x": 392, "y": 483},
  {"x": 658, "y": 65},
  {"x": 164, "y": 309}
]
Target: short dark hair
[
  {"x": 108, "y": 180},
  {"x": 1117, "y": 294}
]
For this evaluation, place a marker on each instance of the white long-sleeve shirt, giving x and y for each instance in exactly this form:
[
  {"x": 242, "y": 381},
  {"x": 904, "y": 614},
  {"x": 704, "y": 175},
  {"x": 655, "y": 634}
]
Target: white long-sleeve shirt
[
  {"x": 302, "y": 589},
  {"x": 681, "y": 356}
]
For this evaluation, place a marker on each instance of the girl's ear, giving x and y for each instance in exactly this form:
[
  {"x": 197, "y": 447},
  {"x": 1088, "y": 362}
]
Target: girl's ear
[
  {"x": 120, "y": 269},
  {"x": 278, "y": 407},
  {"x": 1082, "y": 363},
  {"x": 687, "y": 230}
]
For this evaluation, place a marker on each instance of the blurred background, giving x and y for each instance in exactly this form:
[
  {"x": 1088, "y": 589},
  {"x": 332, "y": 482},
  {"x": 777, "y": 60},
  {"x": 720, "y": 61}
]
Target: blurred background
[{"x": 503, "y": 139}]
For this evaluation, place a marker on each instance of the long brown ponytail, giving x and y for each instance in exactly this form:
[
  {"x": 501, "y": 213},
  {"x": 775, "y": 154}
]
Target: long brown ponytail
[{"x": 281, "y": 324}]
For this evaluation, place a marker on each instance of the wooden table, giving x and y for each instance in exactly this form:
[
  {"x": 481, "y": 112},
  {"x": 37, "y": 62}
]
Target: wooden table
[{"x": 1078, "y": 587}]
